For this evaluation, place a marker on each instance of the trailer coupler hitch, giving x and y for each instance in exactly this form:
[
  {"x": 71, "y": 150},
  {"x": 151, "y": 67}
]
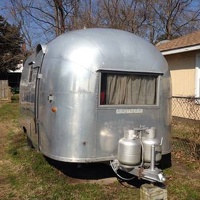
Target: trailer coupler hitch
[{"x": 152, "y": 175}]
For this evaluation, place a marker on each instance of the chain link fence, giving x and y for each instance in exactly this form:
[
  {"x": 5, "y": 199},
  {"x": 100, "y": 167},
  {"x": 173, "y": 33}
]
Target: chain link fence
[{"x": 186, "y": 126}]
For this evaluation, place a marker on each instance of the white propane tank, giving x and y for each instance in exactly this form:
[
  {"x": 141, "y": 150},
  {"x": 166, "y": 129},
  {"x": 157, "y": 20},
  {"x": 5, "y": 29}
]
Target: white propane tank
[
  {"x": 129, "y": 149},
  {"x": 148, "y": 140}
]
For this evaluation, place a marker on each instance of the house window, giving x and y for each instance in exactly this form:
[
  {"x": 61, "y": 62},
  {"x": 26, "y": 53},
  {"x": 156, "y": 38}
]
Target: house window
[{"x": 128, "y": 89}]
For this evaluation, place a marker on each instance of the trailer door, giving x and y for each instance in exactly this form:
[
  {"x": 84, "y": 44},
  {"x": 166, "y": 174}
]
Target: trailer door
[{"x": 38, "y": 65}]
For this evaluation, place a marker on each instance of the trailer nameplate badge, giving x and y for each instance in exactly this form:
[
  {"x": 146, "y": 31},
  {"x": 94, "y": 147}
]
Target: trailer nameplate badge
[{"x": 129, "y": 111}]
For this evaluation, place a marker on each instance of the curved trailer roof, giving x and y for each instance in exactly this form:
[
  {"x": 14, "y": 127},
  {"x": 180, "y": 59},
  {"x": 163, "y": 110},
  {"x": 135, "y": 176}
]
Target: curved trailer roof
[{"x": 107, "y": 49}]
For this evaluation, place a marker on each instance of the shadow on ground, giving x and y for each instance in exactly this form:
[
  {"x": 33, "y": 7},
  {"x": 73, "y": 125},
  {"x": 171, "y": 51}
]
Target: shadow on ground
[
  {"x": 88, "y": 171},
  {"x": 95, "y": 172}
]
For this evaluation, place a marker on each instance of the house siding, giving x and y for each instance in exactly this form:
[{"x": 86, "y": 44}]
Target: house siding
[{"x": 182, "y": 68}]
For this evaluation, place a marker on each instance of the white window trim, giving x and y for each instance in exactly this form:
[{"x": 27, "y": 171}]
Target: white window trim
[{"x": 197, "y": 77}]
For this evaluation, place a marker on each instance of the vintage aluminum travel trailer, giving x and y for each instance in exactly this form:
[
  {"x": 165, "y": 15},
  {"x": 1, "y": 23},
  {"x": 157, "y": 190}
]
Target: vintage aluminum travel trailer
[{"x": 97, "y": 95}]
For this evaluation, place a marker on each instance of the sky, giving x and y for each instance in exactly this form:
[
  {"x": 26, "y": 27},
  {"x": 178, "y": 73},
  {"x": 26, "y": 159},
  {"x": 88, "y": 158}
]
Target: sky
[
  {"x": 36, "y": 34},
  {"x": 3, "y": 5}
]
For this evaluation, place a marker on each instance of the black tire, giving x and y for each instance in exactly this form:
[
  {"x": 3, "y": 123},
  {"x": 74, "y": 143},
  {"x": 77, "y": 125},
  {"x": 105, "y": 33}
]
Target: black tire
[{"x": 29, "y": 143}]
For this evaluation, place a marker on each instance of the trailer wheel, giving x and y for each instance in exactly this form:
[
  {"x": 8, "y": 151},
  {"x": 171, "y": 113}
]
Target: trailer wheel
[
  {"x": 29, "y": 143},
  {"x": 24, "y": 130}
]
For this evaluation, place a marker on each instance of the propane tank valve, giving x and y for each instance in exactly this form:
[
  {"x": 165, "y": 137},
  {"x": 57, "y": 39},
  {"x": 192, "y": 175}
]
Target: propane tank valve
[{"x": 151, "y": 132}]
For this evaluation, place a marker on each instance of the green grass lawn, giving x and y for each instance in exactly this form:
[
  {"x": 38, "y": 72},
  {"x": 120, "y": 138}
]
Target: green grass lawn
[{"x": 26, "y": 174}]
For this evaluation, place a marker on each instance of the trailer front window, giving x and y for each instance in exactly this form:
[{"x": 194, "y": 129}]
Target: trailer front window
[{"x": 128, "y": 89}]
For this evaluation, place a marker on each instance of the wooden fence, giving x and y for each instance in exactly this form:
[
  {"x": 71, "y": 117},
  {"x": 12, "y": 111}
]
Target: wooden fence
[{"x": 5, "y": 91}]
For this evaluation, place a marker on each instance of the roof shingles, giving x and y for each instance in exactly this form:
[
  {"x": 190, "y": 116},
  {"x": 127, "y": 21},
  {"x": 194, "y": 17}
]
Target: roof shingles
[{"x": 181, "y": 42}]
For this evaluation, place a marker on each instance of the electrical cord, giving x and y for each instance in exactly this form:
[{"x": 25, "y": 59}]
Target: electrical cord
[{"x": 125, "y": 179}]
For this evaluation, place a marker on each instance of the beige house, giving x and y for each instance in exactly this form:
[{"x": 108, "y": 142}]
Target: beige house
[{"x": 183, "y": 57}]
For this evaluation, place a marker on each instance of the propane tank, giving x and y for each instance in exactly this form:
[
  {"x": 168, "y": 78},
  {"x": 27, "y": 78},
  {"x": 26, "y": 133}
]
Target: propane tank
[
  {"x": 148, "y": 140},
  {"x": 129, "y": 149}
]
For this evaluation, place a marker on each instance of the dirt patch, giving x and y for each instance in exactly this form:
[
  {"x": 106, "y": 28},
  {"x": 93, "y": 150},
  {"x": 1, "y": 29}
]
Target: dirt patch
[
  {"x": 105, "y": 181},
  {"x": 187, "y": 167},
  {"x": 3, "y": 139}
]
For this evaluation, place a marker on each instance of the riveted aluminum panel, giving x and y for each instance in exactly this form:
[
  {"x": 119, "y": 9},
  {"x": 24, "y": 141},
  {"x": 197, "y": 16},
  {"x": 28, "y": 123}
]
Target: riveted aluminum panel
[{"x": 81, "y": 130}]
